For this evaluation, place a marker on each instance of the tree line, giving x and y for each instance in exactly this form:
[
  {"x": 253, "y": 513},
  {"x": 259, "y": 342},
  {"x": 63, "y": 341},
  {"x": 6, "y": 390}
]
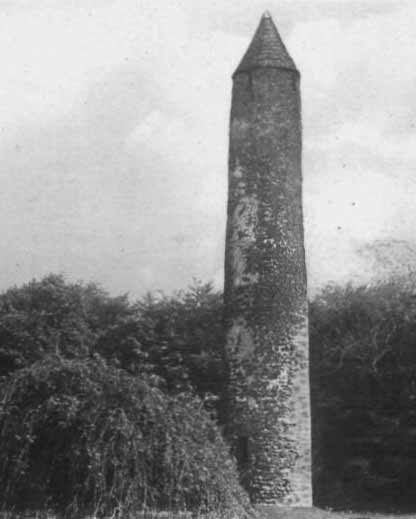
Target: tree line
[{"x": 109, "y": 405}]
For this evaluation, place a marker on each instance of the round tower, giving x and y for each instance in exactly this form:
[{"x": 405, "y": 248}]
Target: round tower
[{"x": 265, "y": 277}]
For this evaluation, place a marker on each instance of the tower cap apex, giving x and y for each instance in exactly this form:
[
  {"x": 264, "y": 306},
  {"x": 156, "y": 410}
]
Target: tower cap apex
[{"x": 266, "y": 49}]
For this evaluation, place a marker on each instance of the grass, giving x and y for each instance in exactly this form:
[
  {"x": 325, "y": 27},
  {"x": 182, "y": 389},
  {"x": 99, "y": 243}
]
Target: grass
[
  {"x": 316, "y": 513},
  {"x": 268, "y": 512}
]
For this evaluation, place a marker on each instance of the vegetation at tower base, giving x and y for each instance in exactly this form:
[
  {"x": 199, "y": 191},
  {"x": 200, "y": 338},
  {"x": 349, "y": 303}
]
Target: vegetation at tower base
[{"x": 87, "y": 430}]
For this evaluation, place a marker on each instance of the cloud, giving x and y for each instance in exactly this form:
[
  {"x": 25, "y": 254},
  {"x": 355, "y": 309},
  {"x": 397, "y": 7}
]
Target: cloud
[
  {"x": 359, "y": 130},
  {"x": 115, "y": 124}
]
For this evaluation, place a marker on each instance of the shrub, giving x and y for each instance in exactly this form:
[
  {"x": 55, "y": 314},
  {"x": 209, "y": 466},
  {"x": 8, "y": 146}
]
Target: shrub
[
  {"x": 363, "y": 374},
  {"x": 80, "y": 436}
]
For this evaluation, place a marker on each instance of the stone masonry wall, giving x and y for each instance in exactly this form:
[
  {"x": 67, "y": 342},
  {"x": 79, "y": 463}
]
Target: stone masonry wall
[{"x": 265, "y": 289}]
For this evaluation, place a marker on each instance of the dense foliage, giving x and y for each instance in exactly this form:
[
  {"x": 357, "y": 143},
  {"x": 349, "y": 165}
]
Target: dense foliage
[
  {"x": 180, "y": 338},
  {"x": 101, "y": 406},
  {"x": 51, "y": 316},
  {"x": 83, "y": 436},
  {"x": 363, "y": 367},
  {"x": 108, "y": 405}
]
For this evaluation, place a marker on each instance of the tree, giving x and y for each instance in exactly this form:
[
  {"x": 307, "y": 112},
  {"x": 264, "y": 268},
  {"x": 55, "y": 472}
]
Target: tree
[
  {"x": 363, "y": 374},
  {"x": 181, "y": 338},
  {"x": 52, "y": 316}
]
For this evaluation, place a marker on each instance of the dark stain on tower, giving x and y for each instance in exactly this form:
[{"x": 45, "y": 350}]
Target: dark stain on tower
[{"x": 265, "y": 277}]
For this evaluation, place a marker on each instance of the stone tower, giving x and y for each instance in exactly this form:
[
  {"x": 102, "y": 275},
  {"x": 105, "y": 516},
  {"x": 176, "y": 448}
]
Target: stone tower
[{"x": 265, "y": 277}]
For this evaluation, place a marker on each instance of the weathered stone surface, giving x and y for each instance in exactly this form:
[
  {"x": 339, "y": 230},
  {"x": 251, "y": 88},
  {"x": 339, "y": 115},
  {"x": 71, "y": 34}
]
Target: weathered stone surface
[{"x": 265, "y": 284}]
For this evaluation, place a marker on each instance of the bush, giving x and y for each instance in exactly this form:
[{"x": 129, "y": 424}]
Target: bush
[
  {"x": 80, "y": 436},
  {"x": 363, "y": 374}
]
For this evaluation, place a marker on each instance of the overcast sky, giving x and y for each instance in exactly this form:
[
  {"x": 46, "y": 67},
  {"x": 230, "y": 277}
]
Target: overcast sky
[{"x": 114, "y": 136}]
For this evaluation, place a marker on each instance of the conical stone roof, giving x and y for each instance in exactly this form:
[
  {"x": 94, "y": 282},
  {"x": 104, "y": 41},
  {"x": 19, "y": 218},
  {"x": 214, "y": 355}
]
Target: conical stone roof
[{"x": 266, "y": 50}]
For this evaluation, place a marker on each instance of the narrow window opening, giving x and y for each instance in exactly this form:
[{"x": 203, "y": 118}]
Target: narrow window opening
[{"x": 243, "y": 450}]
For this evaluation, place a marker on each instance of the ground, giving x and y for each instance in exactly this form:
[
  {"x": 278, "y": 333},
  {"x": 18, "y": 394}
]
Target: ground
[{"x": 316, "y": 513}]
